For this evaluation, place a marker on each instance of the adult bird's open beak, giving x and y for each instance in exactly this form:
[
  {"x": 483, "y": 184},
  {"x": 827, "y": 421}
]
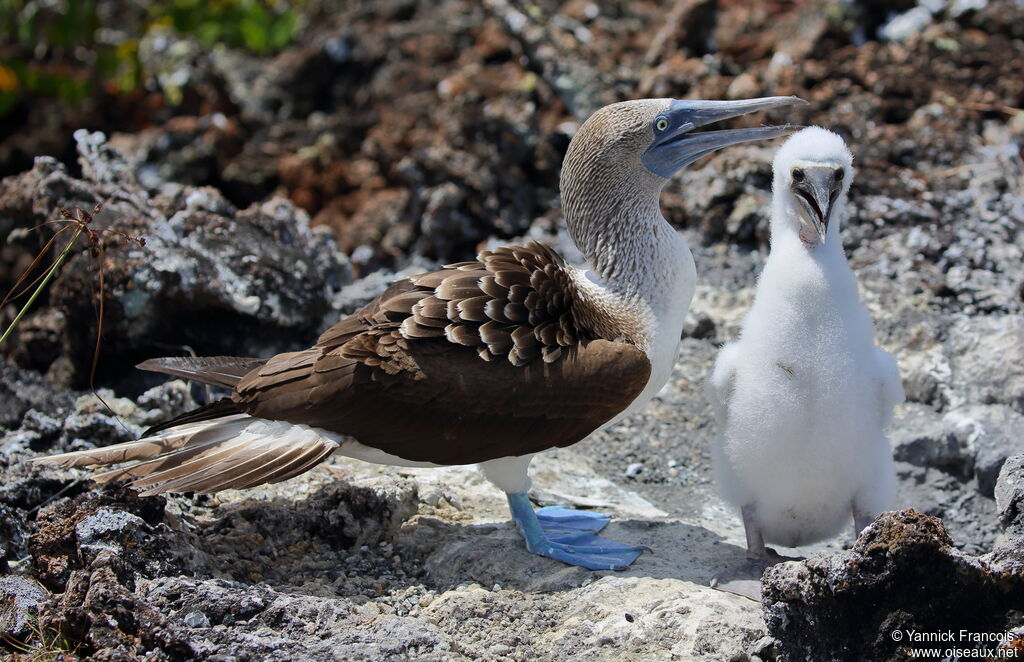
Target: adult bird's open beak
[
  {"x": 817, "y": 189},
  {"x": 675, "y": 145}
]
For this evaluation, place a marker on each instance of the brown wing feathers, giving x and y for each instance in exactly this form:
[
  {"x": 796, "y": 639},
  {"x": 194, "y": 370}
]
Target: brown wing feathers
[
  {"x": 407, "y": 385},
  {"x": 513, "y": 302},
  {"x": 404, "y": 374}
]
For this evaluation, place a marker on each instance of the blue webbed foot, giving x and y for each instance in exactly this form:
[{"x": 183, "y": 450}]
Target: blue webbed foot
[
  {"x": 568, "y": 536},
  {"x": 552, "y": 518}
]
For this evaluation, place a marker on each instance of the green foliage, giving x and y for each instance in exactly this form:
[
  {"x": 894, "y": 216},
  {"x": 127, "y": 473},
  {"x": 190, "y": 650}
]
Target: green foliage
[
  {"x": 37, "y": 80},
  {"x": 62, "y": 49},
  {"x": 62, "y": 25},
  {"x": 249, "y": 24}
]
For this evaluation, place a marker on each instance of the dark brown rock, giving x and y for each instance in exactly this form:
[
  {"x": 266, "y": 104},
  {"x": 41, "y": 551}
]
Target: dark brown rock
[{"x": 902, "y": 574}]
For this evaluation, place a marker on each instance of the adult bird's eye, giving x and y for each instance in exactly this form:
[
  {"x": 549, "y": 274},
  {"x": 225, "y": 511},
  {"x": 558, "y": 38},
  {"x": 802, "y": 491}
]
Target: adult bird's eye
[
  {"x": 798, "y": 174},
  {"x": 661, "y": 124}
]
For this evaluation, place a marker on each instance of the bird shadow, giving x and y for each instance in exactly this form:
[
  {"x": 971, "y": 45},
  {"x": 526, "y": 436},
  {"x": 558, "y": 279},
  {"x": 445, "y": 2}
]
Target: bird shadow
[
  {"x": 334, "y": 540},
  {"x": 494, "y": 554},
  {"x": 744, "y": 579},
  {"x": 340, "y": 537}
]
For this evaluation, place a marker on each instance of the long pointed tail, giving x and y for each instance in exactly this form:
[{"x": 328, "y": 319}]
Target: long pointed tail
[
  {"x": 229, "y": 452},
  {"x": 223, "y": 371}
]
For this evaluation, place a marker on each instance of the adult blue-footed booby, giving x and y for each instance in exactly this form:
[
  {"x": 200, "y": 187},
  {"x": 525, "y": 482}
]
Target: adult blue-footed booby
[
  {"x": 488, "y": 361},
  {"x": 803, "y": 397}
]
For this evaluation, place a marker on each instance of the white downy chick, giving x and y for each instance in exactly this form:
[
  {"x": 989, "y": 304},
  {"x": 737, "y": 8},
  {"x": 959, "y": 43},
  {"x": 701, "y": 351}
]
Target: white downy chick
[{"x": 804, "y": 396}]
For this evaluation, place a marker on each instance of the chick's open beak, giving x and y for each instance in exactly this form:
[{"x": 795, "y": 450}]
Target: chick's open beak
[{"x": 816, "y": 187}]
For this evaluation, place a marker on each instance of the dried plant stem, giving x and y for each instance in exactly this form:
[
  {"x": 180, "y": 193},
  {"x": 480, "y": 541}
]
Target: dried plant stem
[{"x": 39, "y": 288}]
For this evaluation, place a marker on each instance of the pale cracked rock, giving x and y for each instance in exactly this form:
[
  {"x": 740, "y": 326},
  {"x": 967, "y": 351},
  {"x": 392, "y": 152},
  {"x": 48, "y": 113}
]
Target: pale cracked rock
[
  {"x": 971, "y": 441},
  {"x": 991, "y": 433},
  {"x": 986, "y": 358},
  {"x": 662, "y": 619},
  {"x": 614, "y": 618}
]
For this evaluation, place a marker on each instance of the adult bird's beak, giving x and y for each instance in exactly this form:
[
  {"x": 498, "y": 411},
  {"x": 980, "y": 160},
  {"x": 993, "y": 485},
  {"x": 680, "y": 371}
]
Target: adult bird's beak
[
  {"x": 817, "y": 186},
  {"x": 675, "y": 146}
]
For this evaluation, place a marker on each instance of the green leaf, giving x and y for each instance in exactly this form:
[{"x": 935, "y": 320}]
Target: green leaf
[
  {"x": 209, "y": 33},
  {"x": 283, "y": 30},
  {"x": 254, "y": 33}
]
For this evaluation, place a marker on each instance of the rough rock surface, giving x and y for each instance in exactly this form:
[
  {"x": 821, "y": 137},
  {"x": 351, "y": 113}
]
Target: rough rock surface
[
  {"x": 1010, "y": 500},
  {"x": 356, "y": 561},
  {"x": 20, "y": 597},
  {"x": 410, "y": 133},
  {"x": 903, "y": 576},
  {"x": 261, "y": 272}
]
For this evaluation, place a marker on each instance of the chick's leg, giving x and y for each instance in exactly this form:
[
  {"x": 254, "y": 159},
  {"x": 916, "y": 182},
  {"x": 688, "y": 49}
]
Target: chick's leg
[{"x": 752, "y": 527}]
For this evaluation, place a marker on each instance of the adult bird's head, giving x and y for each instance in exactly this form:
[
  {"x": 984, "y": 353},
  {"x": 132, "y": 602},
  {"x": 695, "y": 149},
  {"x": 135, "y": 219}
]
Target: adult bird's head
[
  {"x": 620, "y": 159},
  {"x": 813, "y": 171}
]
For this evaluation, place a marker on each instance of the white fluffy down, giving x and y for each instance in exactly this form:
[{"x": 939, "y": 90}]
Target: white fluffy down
[{"x": 803, "y": 397}]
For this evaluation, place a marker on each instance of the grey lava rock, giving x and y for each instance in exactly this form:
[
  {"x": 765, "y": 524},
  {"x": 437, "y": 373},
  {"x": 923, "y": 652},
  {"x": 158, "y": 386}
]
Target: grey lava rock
[
  {"x": 992, "y": 433},
  {"x": 986, "y": 358},
  {"x": 964, "y": 511},
  {"x": 967, "y": 442},
  {"x": 23, "y": 390},
  {"x": 1009, "y": 494},
  {"x": 902, "y": 574},
  {"x": 262, "y": 271},
  {"x": 921, "y": 437},
  {"x": 252, "y": 621},
  {"x": 109, "y": 529},
  {"x": 733, "y": 206},
  {"x": 20, "y": 598},
  {"x": 72, "y": 535}
]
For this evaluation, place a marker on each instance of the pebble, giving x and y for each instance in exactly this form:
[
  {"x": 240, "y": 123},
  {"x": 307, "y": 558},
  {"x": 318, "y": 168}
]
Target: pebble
[{"x": 197, "y": 619}]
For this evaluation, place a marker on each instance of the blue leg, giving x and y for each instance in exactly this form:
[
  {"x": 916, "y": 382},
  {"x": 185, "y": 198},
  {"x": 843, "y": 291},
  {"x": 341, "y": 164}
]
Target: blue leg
[{"x": 568, "y": 536}]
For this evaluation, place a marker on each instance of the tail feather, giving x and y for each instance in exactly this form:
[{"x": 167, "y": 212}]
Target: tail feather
[
  {"x": 254, "y": 470},
  {"x": 225, "y": 457},
  {"x": 202, "y": 445},
  {"x": 163, "y": 446},
  {"x": 223, "y": 371},
  {"x": 234, "y": 470},
  {"x": 301, "y": 464},
  {"x": 207, "y": 456},
  {"x": 214, "y": 411}
]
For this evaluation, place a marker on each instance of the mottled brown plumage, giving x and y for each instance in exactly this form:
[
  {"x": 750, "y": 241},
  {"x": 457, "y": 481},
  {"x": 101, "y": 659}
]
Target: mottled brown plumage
[
  {"x": 405, "y": 374},
  {"x": 483, "y": 359}
]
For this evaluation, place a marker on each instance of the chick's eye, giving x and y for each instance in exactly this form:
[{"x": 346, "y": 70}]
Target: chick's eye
[
  {"x": 661, "y": 124},
  {"x": 798, "y": 175},
  {"x": 839, "y": 175}
]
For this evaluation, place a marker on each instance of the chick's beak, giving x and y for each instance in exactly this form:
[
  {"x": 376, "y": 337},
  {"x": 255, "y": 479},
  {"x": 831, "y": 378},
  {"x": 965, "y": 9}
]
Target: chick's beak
[
  {"x": 678, "y": 147},
  {"x": 816, "y": 189}
]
